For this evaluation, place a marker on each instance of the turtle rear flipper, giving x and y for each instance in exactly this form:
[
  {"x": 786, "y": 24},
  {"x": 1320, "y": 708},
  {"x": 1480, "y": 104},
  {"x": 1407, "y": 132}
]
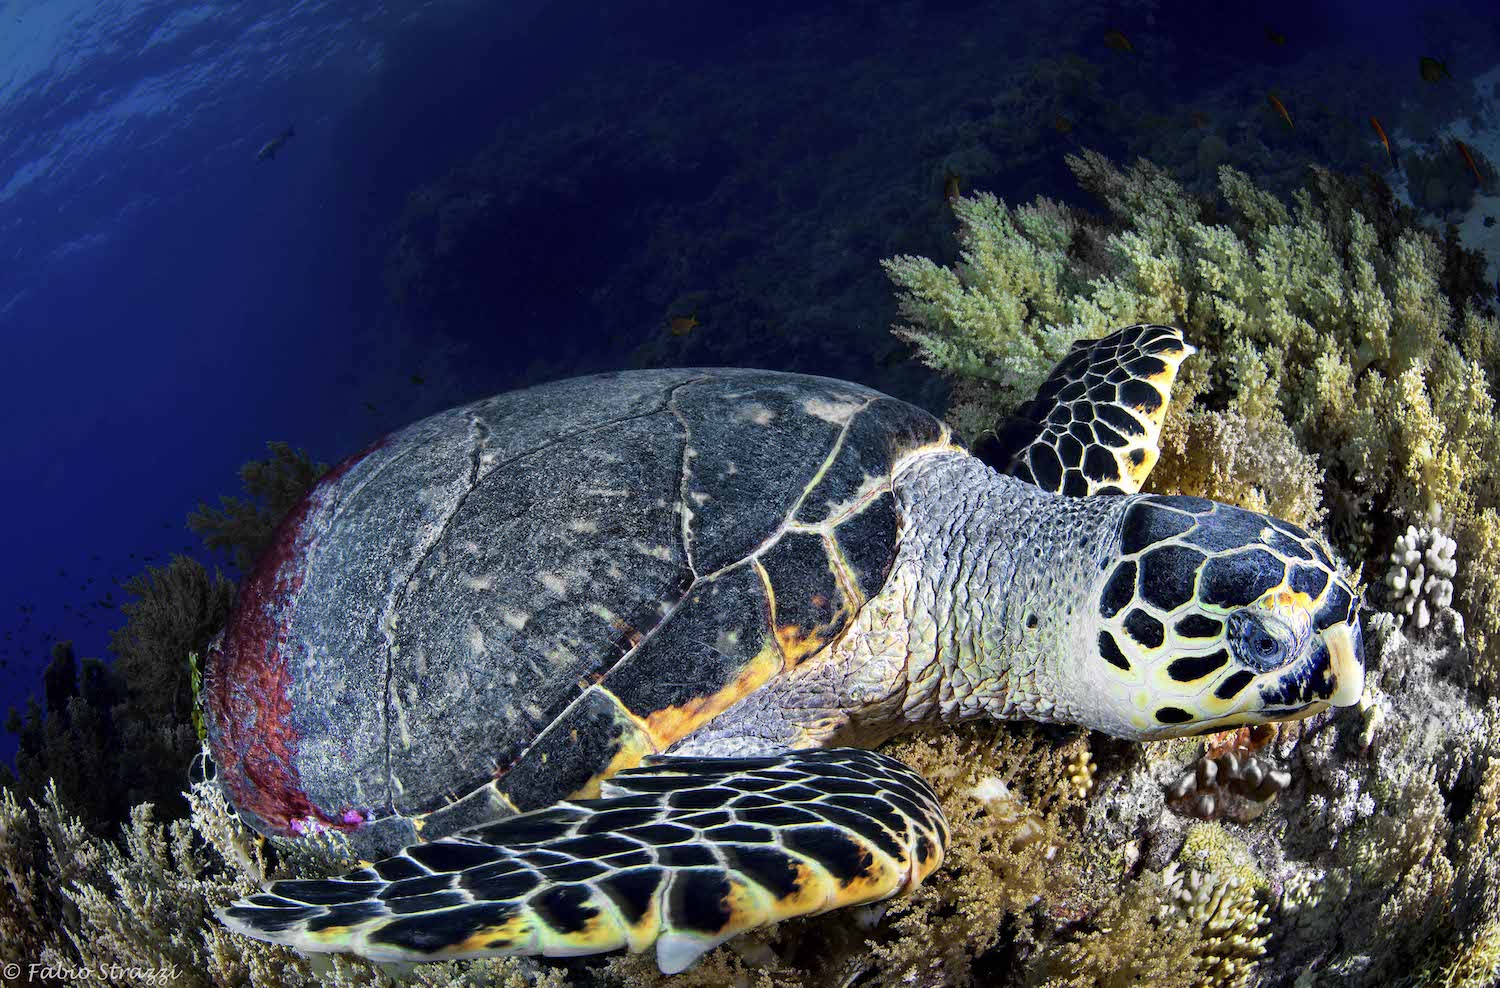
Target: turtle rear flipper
[
  {"x": 681, "y": 852},
  {"x": 1094, "y": 424}
]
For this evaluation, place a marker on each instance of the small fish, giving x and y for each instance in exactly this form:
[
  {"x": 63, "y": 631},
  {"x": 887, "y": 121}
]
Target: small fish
[
  {"x": 1199, "y": 119},
  {"x": 418, "y": 380},
  {"x": 1117, "y": 40},
  {"x": 1062, "y": 125},
  {"x": 370, "y": 407},
  {"x": 1432, "y": 70},
  {"x": 683, "y": 325},
  {"x": 1463, "y": 149},
  {"x": 1274, "y": 36},
  {"x": 1489, "y": 221},
  {"x": 1384, "y": 141},
  {"x": 951, "y": 187},
  {"x": 1276, "y": 104},
  {"x": 268, "y": 150}
]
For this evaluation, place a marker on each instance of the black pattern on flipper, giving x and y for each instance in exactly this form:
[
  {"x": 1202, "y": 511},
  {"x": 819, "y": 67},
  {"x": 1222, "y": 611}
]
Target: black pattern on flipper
[
  {"x": 823, "y": 828},
  {"x": 631, "y": 891},
  {"x": 1095, "y": 421}
]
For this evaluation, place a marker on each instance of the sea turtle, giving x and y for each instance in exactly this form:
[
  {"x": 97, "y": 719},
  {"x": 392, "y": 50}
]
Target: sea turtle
[{"x": 605, "y": 655}]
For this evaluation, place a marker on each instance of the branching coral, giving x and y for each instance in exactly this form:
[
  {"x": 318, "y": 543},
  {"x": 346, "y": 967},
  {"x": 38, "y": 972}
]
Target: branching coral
[
  {"x": 1422, "y": 567},
  {"x": 1228, "y": 915}
]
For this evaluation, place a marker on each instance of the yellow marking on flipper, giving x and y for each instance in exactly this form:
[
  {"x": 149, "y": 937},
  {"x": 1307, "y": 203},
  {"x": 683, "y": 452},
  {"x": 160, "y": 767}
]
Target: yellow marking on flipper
[
  {"x": 644, "y": 931},
  {"x": 330, "y": 934},
  {"x": 925, "y": 866},
  {"x": 815, "y": 892},
  {"x": 748, "y": 906},
  {"x": 673, "y": 723},
  {"x": 603, "y": 931},
  {"x": 880, "y": 879},
  {"x": 520, "y": 933},
  {"x": 1139, "y": 471}
]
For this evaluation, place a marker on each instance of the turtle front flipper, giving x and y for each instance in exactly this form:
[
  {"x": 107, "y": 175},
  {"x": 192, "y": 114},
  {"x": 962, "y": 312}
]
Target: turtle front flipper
[
  {"x": 1094, "y": 424},
  {"x": 682, "y": 852}
]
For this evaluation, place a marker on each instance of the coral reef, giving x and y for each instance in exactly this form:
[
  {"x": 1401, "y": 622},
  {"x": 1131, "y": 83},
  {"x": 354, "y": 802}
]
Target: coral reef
[
  {"x": 1228, "y": 916},
  {"x": 1345, "y": 378},
  {"x": 1440, "y": 181}
]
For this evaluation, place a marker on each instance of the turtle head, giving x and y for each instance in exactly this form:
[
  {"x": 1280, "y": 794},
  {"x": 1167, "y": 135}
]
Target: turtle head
[{"x": 1210, "y": 616}]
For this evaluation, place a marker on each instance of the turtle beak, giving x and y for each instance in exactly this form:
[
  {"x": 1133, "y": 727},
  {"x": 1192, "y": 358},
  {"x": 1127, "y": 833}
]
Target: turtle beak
[{"x": 1346, "y": 662}]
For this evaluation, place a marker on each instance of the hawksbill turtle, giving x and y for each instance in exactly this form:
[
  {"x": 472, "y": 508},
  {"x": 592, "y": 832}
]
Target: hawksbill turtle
[{"x": 601, "y": 661}]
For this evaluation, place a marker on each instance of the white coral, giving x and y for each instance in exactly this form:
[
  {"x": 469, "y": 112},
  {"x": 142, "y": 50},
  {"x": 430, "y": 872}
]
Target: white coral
[
  {"x": 1420, "y": 577},
  {"x": 1227, "y": 915}
]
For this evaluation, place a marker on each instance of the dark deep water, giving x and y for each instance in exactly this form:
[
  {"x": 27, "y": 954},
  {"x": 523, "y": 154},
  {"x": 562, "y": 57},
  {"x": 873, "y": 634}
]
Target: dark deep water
[{"x": 168, "y": 303}]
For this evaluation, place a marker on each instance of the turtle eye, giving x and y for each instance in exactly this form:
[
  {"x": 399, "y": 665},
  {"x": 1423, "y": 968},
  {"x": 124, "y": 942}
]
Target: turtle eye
[{"x": 1254, "y": 640}]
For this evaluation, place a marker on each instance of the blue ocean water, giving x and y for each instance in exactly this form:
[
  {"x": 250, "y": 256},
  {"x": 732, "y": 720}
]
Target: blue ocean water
[{"x": 169, "y": 303}]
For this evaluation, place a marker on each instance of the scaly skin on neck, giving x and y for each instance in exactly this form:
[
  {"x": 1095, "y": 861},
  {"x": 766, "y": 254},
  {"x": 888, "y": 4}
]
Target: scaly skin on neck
[{"x": 951, "y": 636}]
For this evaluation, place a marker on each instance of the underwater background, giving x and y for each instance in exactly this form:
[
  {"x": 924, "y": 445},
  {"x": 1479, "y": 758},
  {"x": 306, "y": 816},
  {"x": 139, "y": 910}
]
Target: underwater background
[{"x": 224, "y": 225}]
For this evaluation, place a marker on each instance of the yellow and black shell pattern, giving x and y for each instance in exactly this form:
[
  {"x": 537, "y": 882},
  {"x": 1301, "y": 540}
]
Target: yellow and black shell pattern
[{"x": 508, "y": 602}]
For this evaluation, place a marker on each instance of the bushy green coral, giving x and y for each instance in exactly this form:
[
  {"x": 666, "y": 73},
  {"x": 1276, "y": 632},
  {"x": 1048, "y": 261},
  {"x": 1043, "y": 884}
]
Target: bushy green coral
[
  {"x": 244, "y": 525},
  {"x": 1344, "y": 372}
]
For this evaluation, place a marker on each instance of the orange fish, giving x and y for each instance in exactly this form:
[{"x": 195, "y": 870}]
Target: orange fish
[
  {"x": 1199, "y": 119},
  {"x": 1062, "y": 125},
  {"x": 1380, "y": 132},
  {"x": 1463, "y": 149},
  {"x": 950, "y": 187},
  {"x": 1281, "y": 110},
  {"x": 683, "y": 325},
  {"x": 1117, "y": 41}
]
